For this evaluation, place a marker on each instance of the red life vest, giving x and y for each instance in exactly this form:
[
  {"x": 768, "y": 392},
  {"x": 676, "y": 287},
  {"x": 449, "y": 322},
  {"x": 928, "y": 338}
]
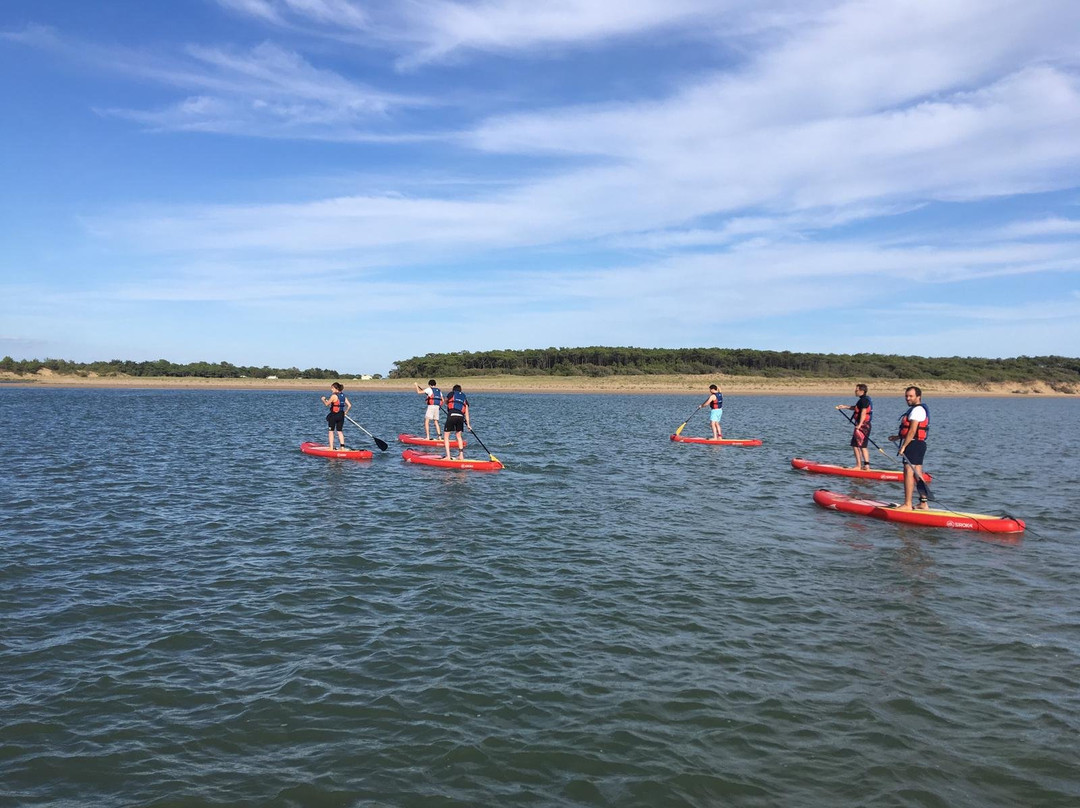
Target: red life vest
[
  {"x": 923, "y": 426},
  {"x": 717, "y": 401},
  {"x": 435, "y": 397},
  {"x": 338, "y": 405}
]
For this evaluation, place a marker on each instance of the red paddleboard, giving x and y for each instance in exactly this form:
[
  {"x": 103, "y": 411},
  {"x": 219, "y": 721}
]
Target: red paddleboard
[
  {"x": 413, "y": 456},
  {"x": 721, "y": 442},
  {"x": 894, "y": 475},
  {"x": 321, "y": 450},
  {"x": 416, "y": 440},
  {"x": 929, "y": 518}
]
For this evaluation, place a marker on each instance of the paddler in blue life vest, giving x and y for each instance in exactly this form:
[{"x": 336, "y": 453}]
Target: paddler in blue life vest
[
  {"x": 335, "y": 419},
  {"x": 914, "y": 426},
  {"x": 860, "y": 438},
  {"x": 716, "y": 410},
  {"x": 431, "y": 414},
  {"x": 457, "y": 417}
]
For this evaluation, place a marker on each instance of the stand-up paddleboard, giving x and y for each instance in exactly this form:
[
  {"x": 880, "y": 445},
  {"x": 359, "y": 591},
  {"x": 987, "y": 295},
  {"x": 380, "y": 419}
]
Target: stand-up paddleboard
[
  {"x": 721, "y": 442},
  {"x": 416, "y": 440},
  {"x": 929, "y": 518},
  {"x": 894, "y": 475},
  {"x": 321, "y": 450},
  {"x": 413, "y": 456}
]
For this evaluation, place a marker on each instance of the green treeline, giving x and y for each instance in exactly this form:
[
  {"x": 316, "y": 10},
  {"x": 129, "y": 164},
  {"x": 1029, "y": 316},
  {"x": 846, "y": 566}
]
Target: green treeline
[
  {"x": 162, "y": 367},
  {"x": 604, "y": 361}
]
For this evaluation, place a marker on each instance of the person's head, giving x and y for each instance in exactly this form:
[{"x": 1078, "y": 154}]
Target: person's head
[
  {"x": 430, "y": 382},
  {"x": 337, "y": 387},
  {"x": 861, "y": 390},
  {"x": 713, "y": 388},
  {"x": 457, "y": 388},
  {"x": 913, "y": 395}
]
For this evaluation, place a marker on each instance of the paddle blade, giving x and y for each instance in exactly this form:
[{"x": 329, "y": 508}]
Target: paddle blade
[
  {"x": 682, "y": 426},
  {"x": 380, "y": 443}
]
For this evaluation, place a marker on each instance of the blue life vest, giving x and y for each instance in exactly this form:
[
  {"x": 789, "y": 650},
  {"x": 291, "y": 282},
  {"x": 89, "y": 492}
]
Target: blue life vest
[
  {"x": 718, "y": 402},
  {"x": 455, "y": 402},
  {"x": 435, "y": 397}
]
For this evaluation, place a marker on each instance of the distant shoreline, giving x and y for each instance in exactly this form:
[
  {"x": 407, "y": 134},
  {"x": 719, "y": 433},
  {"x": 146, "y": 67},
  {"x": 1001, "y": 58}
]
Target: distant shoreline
[{"x": 616, "y": 385}]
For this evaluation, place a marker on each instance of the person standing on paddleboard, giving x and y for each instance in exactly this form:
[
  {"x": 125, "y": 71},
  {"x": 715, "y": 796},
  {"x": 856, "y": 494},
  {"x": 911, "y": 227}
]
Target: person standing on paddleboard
[
  {"x": 431, "y": 414},
  {"x": 457, "y": 417},
  {"x": 716, "y": 410},
  {"x": 860, "y": 438},
  {"x": 335, "y": 419},
  {"x": 914, "y": 426}
]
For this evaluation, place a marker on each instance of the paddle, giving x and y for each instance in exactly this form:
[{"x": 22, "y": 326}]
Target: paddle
[
  {"x": 682, "y": 426},
  {"x": 494, "y": 459},
  {"x": 383, "y": 445},
  {"x": 851, "y": 421}
]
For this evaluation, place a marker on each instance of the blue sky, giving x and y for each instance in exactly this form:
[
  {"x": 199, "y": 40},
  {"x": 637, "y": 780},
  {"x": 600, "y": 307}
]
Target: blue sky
[{"x": 340, "y": 183}]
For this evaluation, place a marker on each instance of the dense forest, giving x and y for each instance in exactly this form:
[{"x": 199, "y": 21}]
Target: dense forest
[
  {"x": 162, "y": 367},
  {"x": 1061, "y": 373}
]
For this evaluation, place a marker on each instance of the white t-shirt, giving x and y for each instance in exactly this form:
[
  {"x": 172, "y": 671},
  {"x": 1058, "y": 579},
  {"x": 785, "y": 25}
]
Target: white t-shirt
[{"x": 917, "y": 414}]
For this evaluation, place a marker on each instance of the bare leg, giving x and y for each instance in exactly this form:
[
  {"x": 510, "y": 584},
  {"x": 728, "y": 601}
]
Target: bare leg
[
  {"x": 909, "y": 486},
  {"x": 340, "y": 439},
  {"x": 330, "y": 439},
  {"x": 460, "y": 447},
  {"x": 446, "y": 444}
]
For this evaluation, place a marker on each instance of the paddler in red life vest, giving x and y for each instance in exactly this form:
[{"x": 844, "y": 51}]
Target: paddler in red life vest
[
  {"x": 914, "y": 426},
  {"x": 716, "y": 410},
  {"x": 457, "y": 417},
  {"x": 431, "y": 414},
  {"x": 860, "y": 438},
  {"x": 335, "y": 419}
]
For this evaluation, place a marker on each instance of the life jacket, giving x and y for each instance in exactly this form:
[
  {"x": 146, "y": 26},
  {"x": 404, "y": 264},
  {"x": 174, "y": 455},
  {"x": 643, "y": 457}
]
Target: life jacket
[
  {"x": 455, "y": 402},
  {"x": 717, "y": 403},
  {"x": 869, "y": 411},
  {"x": 435, "y": 397},
  {"x": 923, "y": 427},
  {"x": 339, "y": 405}
]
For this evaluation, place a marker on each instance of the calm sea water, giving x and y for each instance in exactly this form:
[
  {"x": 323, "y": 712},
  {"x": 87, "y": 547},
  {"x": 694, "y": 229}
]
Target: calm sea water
[{"x": 194, "y": 613}]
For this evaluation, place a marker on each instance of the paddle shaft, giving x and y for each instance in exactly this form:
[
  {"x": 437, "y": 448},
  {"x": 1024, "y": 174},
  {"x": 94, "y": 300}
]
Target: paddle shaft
[
  {"x": 851, "y": 421},
  {"x": 682, "y": 426},
  {"x": 383, "y": 445}
]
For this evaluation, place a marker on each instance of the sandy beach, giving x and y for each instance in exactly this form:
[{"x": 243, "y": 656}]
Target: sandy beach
[{"x": 749, "y": 385}]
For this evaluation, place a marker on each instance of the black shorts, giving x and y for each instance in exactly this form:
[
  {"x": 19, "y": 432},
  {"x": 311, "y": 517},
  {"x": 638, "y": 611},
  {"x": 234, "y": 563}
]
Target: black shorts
[
  {"x": 859, "y": 437},
  {"x": 455, "y": 422},
  {"x": 335, "y": 420},
  {"x": 915, "y": 452}
]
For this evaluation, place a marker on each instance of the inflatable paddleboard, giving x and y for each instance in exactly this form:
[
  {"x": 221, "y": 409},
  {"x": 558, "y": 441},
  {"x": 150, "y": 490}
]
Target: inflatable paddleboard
[
  {"x": 930, "y": 518},
  {"x": 721, "y": 442},
  {"x": 416, "y": 440},
  {"x": 321, "y": 450},
  {"x": 413, "y": 456},
  {"x": 894, "y": 475}
]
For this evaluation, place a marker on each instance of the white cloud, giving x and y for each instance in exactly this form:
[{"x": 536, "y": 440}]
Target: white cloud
[
  {"x": 1049, "y": 226},
  {"x": 331, "y": 13}
]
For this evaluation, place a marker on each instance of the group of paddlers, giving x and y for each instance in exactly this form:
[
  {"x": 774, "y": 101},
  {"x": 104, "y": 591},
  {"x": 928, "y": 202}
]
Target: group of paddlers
[
  {"x": 455, "y": 404},
  {"x": 911, "y": 434}
]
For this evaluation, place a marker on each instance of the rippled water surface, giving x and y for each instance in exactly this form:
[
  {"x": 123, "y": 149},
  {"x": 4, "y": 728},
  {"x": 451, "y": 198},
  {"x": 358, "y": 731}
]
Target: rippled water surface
[{"x": 194, "y": 613}]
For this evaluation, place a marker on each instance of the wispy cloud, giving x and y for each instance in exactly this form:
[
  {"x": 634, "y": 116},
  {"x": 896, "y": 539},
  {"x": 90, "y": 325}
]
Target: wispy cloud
[
  {"x": 332, "y": 13},
  {"x": 263, "y": 91},
  {"x": 1050, "y": 226}
]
